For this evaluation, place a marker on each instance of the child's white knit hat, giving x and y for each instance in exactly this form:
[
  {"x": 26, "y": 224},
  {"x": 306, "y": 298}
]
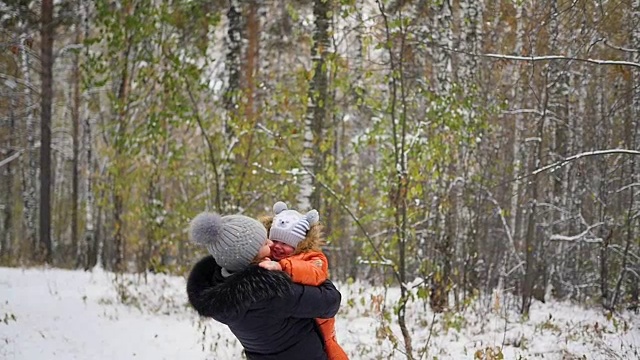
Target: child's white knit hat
[{"x": 289, "y": 226}]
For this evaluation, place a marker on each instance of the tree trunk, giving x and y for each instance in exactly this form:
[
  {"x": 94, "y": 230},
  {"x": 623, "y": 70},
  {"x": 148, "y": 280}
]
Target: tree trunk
[
  {"x": 90, "y": 239},
  {"x": 8, "y": 181},
  {"x": 75, "y": 134},
  {"x": 471, "y": 40},
  {"x": 89, "y": 248},
  {"x": 232, "y": 98},
  {"x": 443, "y": 36},
  {"x": 59, "y": 190},
  {"x": 471, "y": 34},
  {"x": 117, "y": 182},
  {"x": 309, "y": 195},
  {"x": 530, "y": 237},
  {"x": 532, "y": 245},
  {"x": 250, "y": 72},
  {"x": 601, "y": 180},
  {"x": 519, "y": 94},
  {"x": 559, "y": 108},
  {"x": 635, "y": 291},
  {"x": 30, "y": 176},
  {"x": 46, "y": 58}
]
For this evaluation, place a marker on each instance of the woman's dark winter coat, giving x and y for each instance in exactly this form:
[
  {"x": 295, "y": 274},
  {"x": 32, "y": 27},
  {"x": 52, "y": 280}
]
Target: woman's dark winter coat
[{"x": 270, "y": 315}]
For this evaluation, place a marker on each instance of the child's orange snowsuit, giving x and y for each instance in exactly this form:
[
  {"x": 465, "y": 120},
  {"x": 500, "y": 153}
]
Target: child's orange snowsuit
[{"x": 312, "y": 268}]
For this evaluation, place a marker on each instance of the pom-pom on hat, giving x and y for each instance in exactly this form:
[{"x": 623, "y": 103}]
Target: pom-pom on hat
[
  {"x": 289, "y": 226},
  {"x": 233, "y": 240}
]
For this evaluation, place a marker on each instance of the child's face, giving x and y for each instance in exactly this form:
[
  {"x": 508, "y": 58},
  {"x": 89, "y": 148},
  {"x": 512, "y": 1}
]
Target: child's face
[
  {"x": 265, "y": 250},
  {"x": 280, "y": 250}
]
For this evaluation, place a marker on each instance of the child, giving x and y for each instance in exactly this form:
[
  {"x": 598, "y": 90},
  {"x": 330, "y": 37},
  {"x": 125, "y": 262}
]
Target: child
[{"x": 296, "y": 250}]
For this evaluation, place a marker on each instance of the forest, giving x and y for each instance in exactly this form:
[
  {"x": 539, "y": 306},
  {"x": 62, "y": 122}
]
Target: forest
[{"x": 452, "y": 147}]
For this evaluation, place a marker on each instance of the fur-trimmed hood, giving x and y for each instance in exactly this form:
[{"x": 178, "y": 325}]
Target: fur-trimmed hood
[
  {"x": 312, "y": 242},
  {"x": 226, "y": 299}
]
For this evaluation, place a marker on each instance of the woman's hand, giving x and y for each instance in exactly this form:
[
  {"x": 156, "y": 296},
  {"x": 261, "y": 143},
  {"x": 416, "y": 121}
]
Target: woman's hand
[{"x": 270, "y": 265}]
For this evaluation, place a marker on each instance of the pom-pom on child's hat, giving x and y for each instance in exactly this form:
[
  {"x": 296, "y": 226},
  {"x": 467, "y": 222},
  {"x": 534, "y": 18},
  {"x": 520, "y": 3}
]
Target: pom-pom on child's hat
[
  {"x": 233, "y": 240},
  {"x": 289, "y": 226}
]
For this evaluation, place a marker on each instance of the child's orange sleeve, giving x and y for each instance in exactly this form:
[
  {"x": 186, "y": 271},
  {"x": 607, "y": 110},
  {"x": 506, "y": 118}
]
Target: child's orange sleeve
[{"x": 306, "y": 269}]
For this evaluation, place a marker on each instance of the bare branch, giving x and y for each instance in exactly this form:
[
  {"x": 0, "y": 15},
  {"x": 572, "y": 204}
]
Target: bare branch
[
  {"x": 627, "y": 187},
  {"x": 14, "y": 80},
  {"x": 66, "y": 48},
  {"x": 558, "y": 237},
  {"x": 606, "y": 42},
  {"x": 522, "y": 111},
  {"x": 534, "y": 58},
  {"x": 565, "y": 161},
  {"x": 10, "y": 158},
  {"x": 559, "y": 57},
  {"x": 508, "y": 230},
  {"x": 385, "y": 262}
]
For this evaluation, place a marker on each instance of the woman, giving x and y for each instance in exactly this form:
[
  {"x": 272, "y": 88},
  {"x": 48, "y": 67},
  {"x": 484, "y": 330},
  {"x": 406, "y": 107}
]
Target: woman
[{"x": 272, "y": 317}]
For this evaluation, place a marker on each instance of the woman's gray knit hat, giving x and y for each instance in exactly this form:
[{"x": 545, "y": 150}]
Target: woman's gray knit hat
[
  {"x": 233, "y": 240},
  {"x": 289, "y": 226}
]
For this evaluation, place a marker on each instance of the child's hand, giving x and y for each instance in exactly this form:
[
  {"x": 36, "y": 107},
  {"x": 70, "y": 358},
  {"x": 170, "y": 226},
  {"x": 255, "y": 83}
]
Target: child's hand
[{"x": 270, "y": 265}]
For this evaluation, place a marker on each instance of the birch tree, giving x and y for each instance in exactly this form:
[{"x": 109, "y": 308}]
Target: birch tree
[
  {"x": 75, "y": 133},
  {"x": 309, "y": 196},
  {"x": 30, "y": 175},
  {"x": 518, "y": 94},
  {"x": 443, "y": 38},
  {"x": 467, "y": 70},
  {"x": 635, "y": 214},
  {"x": 46, "y": 59},
  {"x": 90, "y": 242},
  {"x": 560, "y": 141},
  {"x": 233, "y": 96}
]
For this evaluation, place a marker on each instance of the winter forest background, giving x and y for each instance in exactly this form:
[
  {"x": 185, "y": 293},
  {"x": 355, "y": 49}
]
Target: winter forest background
[{"x": 453, "y": 148}]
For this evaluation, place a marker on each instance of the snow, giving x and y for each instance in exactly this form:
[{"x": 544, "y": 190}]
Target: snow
[{"x": 61, "y": 314}]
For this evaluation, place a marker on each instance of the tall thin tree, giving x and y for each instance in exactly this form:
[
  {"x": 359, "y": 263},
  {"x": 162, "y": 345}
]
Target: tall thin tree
[
  {"x": 75, "y": 134},
  {"x": 309, "y": 195},
  {"x": 46, "y": 96}
]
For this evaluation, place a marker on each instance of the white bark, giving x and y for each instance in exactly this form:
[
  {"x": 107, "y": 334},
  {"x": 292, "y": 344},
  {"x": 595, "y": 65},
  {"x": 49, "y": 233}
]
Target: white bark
[
  {"x": 635, "y": 111},
  {"x": 443, "y": 37},
  {"x": 265, "y": 57},
  {"x": 557, "y": 105},
  {"x": 636, "y": 90},
  {"x": 471, "y": 34},
  {"x": 89, "y": 231},
  {"x": 306, "y": 180},
  {"x": 517, "y": 95},
  {"x": 31, "y": 175},
  {"x": 318, "y": 99},
  {"x": 234, "y": 42},
  {"x": 59, "y": 188}
]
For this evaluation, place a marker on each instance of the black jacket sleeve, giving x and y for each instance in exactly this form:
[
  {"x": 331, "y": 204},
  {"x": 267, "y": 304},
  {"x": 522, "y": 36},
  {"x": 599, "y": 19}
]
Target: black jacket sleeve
[
  {"x": 200, "y": 283},
  {"x": 313, "y": 301}
]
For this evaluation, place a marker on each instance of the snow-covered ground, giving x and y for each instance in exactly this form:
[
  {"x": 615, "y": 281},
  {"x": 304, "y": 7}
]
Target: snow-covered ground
[{"x": 59, "y": 314}]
